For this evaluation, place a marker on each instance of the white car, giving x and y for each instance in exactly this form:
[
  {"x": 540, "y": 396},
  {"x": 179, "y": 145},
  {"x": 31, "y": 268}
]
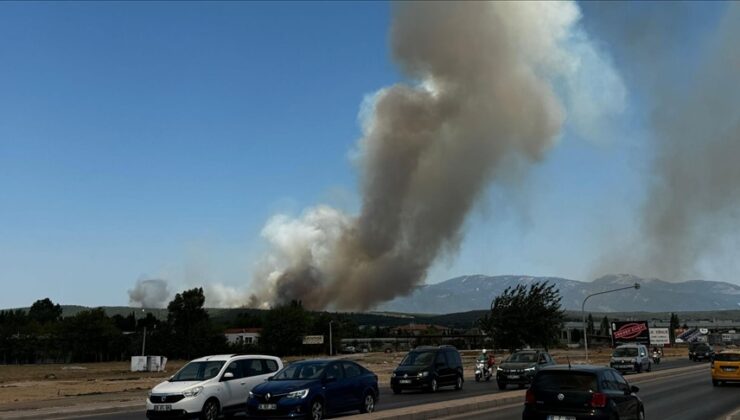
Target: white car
[{"x": 210, "y": 386}]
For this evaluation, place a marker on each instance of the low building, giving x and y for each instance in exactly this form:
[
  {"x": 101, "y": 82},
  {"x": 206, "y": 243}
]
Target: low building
[{"x": 243, "y": 335}]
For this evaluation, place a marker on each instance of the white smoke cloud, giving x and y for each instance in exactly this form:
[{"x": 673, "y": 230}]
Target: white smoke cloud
[{"x": 149, "y": 293}]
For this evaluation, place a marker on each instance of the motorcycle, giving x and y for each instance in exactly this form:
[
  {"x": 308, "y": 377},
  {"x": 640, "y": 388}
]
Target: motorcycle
[
  {"x": 656, "y": 357},
  {"x": 482, "y": 371}
]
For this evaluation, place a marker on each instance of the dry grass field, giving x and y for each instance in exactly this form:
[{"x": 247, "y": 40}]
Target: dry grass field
[{"x": 37, "y": 386}]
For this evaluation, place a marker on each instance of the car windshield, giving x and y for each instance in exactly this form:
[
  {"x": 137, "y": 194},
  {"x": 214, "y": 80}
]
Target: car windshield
[
  {"x": 702, "y": 347},
  {"x": 301, "y": 371},
  {"x": 625, "y": 352},
  {"x": 522, "y": 358},
  {"x": 727, "y": 357},
  {"x": 198, "y": 371},
  {"x": 418, "y": 358},
  {"x": 565, "y": 381}
]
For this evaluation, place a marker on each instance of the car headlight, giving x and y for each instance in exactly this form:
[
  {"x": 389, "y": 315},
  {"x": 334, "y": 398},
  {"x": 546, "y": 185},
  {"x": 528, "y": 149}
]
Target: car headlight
[
  {"x": 634, "y": 360},
  {"x": 251, "y": 395},
  {"x": 423, "y": 374},
  {"x": 192, "y": 391},
  {"x": 303, "y": 393},
  {"x": 393, "y": 375},
  {"x": 529, "y": 369},
  {"x": 498, "y": 369}
]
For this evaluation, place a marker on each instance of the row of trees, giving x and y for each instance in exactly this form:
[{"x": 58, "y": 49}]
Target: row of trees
[{"x": 42, "y": 335}]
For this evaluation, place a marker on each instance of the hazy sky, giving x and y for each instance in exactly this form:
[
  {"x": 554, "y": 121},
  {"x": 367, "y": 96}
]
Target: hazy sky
[{"x": 154, "y": 141}]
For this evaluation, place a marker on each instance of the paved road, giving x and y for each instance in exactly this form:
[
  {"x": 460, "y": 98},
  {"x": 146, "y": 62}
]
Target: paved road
[
  {"x": 687, "y": 396},
  {"x": 390, "y": 401}
]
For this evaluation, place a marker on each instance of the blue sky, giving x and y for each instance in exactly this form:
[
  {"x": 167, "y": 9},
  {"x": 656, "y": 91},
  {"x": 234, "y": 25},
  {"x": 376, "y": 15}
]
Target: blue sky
[{"x": 154, "y": 140}]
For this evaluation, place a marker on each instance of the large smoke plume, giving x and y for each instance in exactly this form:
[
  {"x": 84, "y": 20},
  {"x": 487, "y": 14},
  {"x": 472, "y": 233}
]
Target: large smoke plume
[
  {"x": 482, "y": 91},
  {"x": 689, "y": 221}
]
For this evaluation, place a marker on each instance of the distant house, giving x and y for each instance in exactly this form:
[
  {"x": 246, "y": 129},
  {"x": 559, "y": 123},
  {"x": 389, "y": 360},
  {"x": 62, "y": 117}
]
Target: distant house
[
  {"x": 420, "y": 329},
  {"x": 243, "y": 335}
]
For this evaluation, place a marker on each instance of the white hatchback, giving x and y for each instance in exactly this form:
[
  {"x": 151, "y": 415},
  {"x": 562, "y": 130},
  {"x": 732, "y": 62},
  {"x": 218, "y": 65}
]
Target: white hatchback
[{"x": 210, "y": 386}]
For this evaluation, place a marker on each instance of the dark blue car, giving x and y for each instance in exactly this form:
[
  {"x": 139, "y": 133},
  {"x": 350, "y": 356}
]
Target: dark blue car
[{"x": 314, "y": 389}]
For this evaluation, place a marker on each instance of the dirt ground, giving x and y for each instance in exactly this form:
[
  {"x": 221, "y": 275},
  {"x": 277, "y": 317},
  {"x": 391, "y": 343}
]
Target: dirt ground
[{"x": 40, "y": 386}]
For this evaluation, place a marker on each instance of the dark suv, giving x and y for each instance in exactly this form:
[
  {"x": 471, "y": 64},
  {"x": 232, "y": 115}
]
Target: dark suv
[
  {"x": 581, "y": 392},
  {"x": 521, "y": 366},
  {"x": 700, "y": 351},
  {"x": 428, "y": 368}
]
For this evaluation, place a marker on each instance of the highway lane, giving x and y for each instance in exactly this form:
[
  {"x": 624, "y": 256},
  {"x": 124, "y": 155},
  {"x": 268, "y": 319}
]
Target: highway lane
[
  {"x": 685, "y": 396},
  {"x": 390, "y": 401}
]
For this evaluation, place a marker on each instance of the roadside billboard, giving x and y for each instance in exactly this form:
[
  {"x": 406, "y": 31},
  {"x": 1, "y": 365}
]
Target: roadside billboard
[
  {"x": 659, "y": 337},
  {"x": 630, "y": 332}
]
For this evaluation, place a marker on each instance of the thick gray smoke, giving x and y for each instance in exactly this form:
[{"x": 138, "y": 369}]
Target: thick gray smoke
[
  {"x": 690, "y": 218},
  {"x": 151, "y": 293},
  {"x": 483, "y": 91}
]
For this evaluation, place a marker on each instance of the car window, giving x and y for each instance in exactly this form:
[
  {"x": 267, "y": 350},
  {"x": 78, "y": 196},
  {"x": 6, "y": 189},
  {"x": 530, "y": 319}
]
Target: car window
[
  {"x": 234, "y": 369},
  {"x": 198, "y": 371},
  {"x": 351, "y": 370},
  {"x": 454, "y": 358},
  {"x": 301, "y": 370},
  {"x": 270, "y": 365},
  {"x": 620, "y": 381},
  {"x": 334, "y": 370},
  {"x": 440, "y": 358},
  {"x": 727, "y": 357},
  {"x": 253, "y": 367},
  {"x": 565, "y": 381},
  {"x": 418, "y": 358},
  {"x": 625, "y": 352},
  {"x": 523, "y": 358}
]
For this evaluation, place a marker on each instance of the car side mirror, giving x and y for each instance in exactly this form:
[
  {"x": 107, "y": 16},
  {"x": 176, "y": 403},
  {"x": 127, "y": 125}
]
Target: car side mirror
[
  {"x": 227, "y": 376},
  {"x": 634, "y": 389}
]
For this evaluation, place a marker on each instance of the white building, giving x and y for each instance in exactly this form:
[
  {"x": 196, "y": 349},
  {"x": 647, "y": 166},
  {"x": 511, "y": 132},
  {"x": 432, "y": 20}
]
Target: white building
[{"x": 243, "y": 335}]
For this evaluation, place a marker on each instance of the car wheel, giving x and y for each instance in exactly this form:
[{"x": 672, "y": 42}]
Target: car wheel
[
  {"x": 433, "y": 386},
  {"x": 368, "y": 403},
  {"x": 459, "y": 383},
  {"x": 317, "y": 410},
  {"x": 501, "y": 385},
  {"x": 650, "y": 367},
  {"x": 210, "y": 410},
  {"x": 396, "y": 390},
  {"x": 639, "y": 368}
]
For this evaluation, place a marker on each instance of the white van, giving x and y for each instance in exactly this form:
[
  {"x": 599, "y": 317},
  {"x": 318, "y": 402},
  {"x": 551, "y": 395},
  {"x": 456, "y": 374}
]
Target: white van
[
  {"x": 631, "y": 358},
  {"x": 210, "y": 386}
]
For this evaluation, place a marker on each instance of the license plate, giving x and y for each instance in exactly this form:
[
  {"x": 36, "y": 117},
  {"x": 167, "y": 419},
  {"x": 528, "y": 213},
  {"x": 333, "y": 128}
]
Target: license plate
[
  {"x": 267, "y": 407},
  {"x": 513, "y": 376},
  {"x": 561, "y": 418},
  {"x": 160, "y": 407},
  {"x": 405, "y": 381},
  {"x": 729, "y": 369}
]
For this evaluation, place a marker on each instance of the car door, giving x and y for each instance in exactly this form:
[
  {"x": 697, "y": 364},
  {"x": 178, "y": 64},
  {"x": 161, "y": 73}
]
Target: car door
[
  {"x": 442, "y": 367},
  {"x": 231, "y": 394},
  {"x": 255, "y": 372},
  {"x": 627, "y": 402},
  {"x": 353, "y": 378},
  {"x": 336, "y": 392}
]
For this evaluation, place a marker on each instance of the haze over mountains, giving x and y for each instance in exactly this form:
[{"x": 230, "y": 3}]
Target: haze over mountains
[{"x": 468, "y": 293}]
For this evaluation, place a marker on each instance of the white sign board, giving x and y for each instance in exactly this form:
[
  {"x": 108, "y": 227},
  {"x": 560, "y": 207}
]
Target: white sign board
[
  {"x": 659, "y": 336},
  {"x": 313, "y": 339}
]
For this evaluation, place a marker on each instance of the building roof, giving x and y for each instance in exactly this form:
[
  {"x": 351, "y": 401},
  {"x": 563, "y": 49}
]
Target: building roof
[{"x": 243, "y": 330}]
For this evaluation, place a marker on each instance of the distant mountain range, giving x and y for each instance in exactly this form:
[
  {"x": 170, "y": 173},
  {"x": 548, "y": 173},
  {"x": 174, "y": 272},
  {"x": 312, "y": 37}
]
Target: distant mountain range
[{"x": 475, "y": 292}]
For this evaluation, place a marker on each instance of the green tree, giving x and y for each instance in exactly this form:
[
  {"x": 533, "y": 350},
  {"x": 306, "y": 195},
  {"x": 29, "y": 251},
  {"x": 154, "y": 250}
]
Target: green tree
[
  {"x": 525, "y": 315},
  {"x": 590, "y": 325},
  {"x": 604, "y": 327},
  {"x": 45, "y": 311},
  {"x": 190, "y": 327},
  {"x": 675, "y": 323},
  {"x": 284, "y": 328},
  {"x": 91, "y": 336}
]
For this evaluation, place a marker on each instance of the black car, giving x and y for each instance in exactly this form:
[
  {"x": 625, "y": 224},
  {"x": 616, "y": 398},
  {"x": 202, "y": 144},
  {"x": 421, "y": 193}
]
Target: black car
[
  {"x": 313, "y": 389},
  {"x": 581, "y": 392},
  {"x": 700, "y": 351},
  {"x": 521, "y": 366},
  {"x": 428, "y": 368}
]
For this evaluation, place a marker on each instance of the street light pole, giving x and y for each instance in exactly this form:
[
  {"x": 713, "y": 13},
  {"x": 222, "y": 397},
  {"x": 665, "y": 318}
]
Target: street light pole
[
  {"x": 583, "y": 312},
  {"x": 331, "y": 343},
  {"x": 143, "y": 342}
]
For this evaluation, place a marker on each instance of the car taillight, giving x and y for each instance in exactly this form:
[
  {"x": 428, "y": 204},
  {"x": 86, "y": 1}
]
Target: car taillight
[
  {"x": 598, "y": 400},
  {"x": 529, "y": 397}
]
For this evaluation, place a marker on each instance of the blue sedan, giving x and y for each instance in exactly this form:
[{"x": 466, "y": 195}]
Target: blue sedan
[{"x": 314, "y": 389}]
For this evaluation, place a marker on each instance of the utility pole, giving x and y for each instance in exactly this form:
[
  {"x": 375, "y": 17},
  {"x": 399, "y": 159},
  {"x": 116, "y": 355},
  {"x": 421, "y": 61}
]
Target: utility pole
[{"x": 331, "y": 343}]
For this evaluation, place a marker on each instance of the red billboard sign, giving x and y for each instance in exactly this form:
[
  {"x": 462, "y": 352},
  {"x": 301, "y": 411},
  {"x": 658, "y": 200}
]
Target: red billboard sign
[{"x": 631, "y": 332}]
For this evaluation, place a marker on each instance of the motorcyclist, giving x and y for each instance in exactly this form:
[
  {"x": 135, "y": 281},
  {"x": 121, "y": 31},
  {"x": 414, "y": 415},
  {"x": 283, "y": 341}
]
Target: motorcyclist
[
  {"x": 487, "y": 357},
  {"x": 656, "y": 354}
]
